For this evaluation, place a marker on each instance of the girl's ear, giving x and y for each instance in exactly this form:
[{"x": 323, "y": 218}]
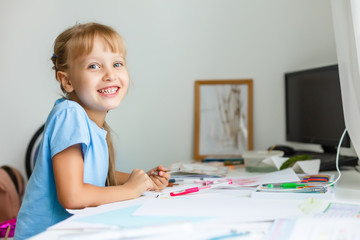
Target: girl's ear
[{"x": 65, "y": 81}]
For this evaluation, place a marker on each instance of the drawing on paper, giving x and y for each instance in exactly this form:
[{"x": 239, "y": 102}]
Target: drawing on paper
[{"x": 223, "y": 121}]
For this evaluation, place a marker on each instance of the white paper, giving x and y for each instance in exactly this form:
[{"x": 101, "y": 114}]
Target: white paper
[
  {"x": 245, "y": 184},
  {"x": 330, "y": 228},
  {"x": 307, "y": 167},
  {"x": 286, "y": 175},
  {"x": 71, "y": 222},
  {"x": 275, "y": 161},
  {"x": 207, "y": 205}
]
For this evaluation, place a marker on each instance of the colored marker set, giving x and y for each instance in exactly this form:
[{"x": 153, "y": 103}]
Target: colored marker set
[
  {"x": 289, "y": 185},
  {"x": 315, "y": 179},
  {"x": 317, "y": 186},
  {"x": 292, "y": 187}
]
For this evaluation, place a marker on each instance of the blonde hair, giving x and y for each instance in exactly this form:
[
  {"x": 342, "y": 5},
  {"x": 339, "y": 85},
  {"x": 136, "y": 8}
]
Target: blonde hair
[{"x": 78, "y": 41}]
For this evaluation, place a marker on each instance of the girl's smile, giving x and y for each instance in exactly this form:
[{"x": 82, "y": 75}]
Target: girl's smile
[{"x": 109, "y": 91}]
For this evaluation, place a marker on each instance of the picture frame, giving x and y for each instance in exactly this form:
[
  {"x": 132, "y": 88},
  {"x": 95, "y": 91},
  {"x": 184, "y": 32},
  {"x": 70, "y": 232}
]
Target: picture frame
[{"x": 223, "y": 118}]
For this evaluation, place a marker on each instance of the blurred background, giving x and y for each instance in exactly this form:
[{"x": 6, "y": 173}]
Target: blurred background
[{"x": 170, "y": 45}]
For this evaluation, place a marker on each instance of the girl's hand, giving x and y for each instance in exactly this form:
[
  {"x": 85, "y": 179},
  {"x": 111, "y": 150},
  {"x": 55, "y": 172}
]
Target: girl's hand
[
  {"x": 159, "y": 176},
  {"x": 139, "y": 182}
]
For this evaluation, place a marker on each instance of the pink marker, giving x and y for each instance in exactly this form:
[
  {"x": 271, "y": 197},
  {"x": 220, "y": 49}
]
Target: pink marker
[{"x": 197, "y": 189}]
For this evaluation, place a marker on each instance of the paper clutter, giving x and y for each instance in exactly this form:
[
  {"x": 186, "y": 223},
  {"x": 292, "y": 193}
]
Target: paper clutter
[{"x": 307, "y": 166}]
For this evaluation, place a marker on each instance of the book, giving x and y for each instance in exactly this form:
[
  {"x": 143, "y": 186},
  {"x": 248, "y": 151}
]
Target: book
[{"x": 198, "y": 170}]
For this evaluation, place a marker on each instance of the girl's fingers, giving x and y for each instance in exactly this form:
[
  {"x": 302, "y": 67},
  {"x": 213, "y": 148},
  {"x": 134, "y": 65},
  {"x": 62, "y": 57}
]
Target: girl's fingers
[
  {"x": 165, "y": 175},
  {"x": 159, "y": 182}
]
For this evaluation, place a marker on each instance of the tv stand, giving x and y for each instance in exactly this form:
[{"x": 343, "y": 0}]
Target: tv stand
[
  {"x": 329, "y": 149},
  {"x": 328, "y": 159}
]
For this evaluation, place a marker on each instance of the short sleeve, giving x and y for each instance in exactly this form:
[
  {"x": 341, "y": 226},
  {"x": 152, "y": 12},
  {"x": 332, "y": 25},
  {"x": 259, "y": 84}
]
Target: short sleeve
[{"x": 68, "y": 127}]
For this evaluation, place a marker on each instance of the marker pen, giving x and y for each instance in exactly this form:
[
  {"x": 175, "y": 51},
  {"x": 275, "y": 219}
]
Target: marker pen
[{"x": 288, "y": 185}]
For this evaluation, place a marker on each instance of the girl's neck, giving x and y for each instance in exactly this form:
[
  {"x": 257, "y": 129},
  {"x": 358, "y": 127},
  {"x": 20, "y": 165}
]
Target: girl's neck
[{"x": 98, "y": 117}]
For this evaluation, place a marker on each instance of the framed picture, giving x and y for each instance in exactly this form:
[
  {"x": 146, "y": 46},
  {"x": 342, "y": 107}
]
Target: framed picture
[{"x": 223, "y": 118}]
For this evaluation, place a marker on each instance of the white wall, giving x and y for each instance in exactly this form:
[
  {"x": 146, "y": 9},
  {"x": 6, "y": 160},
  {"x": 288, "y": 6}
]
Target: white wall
[{"x": 171, "y": 44}]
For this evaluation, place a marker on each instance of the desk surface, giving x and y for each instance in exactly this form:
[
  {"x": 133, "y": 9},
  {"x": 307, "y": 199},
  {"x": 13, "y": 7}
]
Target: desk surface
[
  {"x": 348, "y": 187},
  {"x": 347, "y": 191}
]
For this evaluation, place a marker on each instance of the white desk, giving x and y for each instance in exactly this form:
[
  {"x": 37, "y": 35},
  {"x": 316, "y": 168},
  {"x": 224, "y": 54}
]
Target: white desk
[
  {"x": 347, "y": 191},
  {"x": 348, "y": 187}
]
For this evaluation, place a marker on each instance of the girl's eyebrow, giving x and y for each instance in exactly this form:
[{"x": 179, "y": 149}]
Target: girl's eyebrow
[
  {"x": 89, "y": 58},
  {"x": 120, "y": 56}
]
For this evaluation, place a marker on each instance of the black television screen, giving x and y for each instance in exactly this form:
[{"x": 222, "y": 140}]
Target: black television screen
[{"x": 314, "y": 112}]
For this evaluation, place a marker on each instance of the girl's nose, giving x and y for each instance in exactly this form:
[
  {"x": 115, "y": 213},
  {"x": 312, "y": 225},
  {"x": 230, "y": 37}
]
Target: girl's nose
[{"x": 109, "y": 75}]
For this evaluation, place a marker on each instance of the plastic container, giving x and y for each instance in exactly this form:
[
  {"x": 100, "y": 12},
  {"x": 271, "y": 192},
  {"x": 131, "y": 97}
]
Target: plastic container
[{"x": 253, "y": 160}]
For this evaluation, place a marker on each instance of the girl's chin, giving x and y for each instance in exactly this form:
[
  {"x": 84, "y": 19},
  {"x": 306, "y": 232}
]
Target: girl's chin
[{"x": 112, "y": 106}]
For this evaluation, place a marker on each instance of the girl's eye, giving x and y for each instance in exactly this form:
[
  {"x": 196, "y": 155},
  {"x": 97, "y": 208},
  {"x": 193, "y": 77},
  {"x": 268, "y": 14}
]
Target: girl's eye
[
  {"x": 117, "y": 65},
  {"x": 94, "y": 66}
]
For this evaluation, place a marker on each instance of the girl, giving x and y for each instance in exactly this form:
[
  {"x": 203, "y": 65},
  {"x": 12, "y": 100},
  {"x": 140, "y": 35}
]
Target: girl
[{"x": 75, "y": 167}]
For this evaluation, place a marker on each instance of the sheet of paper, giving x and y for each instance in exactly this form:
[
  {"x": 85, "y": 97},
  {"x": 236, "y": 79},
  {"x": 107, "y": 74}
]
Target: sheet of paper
[
  {"x": 315, "y": 228},
  {"x": 308, "y": 166},
  {"x": 91, "y": 211},
  {"x": 275, "y": 161},
  {"x": 206, "y": 204},
  {"x": 193, "y": 169},
  {"x": 70, "y": 224},
  {"x": 123, "y": 218},
  {"x": 342, "y": 210},
  {"x": 222, "y": 228},
  {"x": 246, "y": 184},
  {"x": 286, "y": 175}
]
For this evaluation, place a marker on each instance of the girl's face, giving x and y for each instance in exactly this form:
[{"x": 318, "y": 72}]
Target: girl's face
[{"x": 98, "y": 81}]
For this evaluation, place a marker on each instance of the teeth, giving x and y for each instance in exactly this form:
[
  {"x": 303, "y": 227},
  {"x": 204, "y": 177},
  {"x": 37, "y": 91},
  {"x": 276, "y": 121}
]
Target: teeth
[{"x": 108, "y": 90}]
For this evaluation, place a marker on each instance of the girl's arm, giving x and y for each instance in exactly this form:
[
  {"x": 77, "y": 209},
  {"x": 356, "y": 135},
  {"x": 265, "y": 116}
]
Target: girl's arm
[
  {"x": 73, "y": 193},
  {"x": 121, "y": 177}
]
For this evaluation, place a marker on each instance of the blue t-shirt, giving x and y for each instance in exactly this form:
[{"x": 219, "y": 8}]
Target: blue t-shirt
[{"x": 67, "y": 125}]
